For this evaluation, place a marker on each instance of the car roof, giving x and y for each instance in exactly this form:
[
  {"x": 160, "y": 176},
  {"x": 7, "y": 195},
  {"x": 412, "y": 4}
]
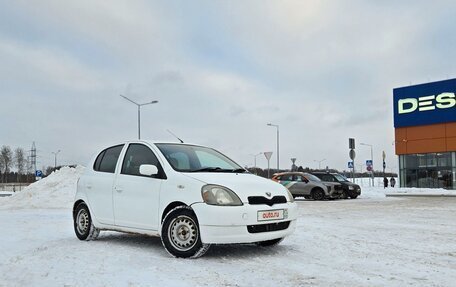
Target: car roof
[
  {"x": 322, "y": 172},
  {"x": 290, "y": 172}
]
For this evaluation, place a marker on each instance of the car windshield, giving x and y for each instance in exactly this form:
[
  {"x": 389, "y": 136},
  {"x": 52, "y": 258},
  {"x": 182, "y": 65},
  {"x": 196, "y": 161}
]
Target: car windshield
[
  {"x": 191, "y": 158},
  {"x": 312, "y": 177},
  {"x": 340, "y": 177}
]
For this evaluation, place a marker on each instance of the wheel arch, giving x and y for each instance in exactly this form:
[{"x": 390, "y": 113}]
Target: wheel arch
[
  {"x": 77, "y": 202},
  {"x": 314, "y": 189},
  {"x": 170, "y": 207}
]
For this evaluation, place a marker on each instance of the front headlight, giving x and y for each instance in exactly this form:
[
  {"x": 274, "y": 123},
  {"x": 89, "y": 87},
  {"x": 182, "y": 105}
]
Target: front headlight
[
  {"x": 219, "y": 195},
  {"x": 351, "y": 187},
  {"x": 290, "y": 196}
]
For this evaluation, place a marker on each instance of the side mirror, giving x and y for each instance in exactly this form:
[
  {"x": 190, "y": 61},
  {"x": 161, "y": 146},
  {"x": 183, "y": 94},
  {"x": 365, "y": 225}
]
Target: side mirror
[{"x": 148, "y": 169}]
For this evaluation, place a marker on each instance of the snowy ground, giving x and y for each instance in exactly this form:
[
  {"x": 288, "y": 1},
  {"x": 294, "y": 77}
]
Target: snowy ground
[{"x": 370, "y": 241}]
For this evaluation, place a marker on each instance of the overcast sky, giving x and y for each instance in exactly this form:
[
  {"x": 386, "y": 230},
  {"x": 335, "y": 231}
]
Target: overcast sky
[{"x": 221, "y": 70}]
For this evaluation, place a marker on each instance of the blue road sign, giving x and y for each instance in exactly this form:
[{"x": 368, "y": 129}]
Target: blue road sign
[
  {"x": 38, "y": 173},
  {"x": 369, "y": 162},
  {"x": 350, "y": 164}
]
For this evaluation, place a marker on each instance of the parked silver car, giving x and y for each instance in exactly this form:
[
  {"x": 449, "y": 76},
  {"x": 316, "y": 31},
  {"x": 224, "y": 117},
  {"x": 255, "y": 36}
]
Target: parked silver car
[{"x": 308, "y": 186}]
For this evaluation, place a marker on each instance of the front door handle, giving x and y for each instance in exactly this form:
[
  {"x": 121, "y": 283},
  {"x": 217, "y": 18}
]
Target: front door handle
[{"x": 119, "y": 189}]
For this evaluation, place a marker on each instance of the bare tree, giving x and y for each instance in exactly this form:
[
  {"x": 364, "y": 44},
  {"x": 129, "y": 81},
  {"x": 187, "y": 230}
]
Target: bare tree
[
  {"x": 6, "y": 158},
  {"x": 20, "y": 161}
]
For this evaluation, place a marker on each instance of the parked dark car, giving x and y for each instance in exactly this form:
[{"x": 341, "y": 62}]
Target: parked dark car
[{"x": 350, "y": 189}]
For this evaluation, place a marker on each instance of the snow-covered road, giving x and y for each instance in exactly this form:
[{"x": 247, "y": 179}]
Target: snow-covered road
[{"x": 362, "y": 242}]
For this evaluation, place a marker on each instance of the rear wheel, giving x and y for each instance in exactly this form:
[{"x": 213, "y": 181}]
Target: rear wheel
[
  {"x": 354, "y": 196},
  {"x": 83, "y": 225},
  {"x": 269, "y": 243},
  {"x": 180, "y": 234},
  {"x": 318, "y": 194}
]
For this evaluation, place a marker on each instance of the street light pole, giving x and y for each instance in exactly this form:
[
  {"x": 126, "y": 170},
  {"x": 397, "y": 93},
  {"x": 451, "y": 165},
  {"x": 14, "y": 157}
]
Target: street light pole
[
  {"x": 372, "y": 159},
  {"x": 139, "y": 112},
  {"x": 55, "y": 159},
  {"x": 278, "y": 159},
  {"x": 319, "y": 162},
  {"x": 254, "y": 160}
]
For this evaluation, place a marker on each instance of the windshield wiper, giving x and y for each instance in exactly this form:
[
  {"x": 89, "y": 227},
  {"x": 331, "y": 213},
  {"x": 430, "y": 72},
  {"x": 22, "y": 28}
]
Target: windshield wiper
[
  {"x": 207, "y": 169},
  {"x": 219, "y": 169},
  {"x": 238, "y": 170}
]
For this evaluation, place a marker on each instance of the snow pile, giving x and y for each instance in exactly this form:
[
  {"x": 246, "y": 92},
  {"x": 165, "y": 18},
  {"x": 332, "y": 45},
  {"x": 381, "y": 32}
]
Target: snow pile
[
  {"x": 55, "y": 191},
  {"x": 377, "y": 191},
  {"x": 420, "y": 191}
]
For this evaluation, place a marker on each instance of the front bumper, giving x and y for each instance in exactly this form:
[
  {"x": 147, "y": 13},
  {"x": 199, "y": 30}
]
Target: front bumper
[
  {"x": 239, "y": 224},
  {"x": 335, "y": 193},
  {"x": 355, "y": 191}
]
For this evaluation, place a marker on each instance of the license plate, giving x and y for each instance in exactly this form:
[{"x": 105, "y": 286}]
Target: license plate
[{"x": 276, "y": 214}]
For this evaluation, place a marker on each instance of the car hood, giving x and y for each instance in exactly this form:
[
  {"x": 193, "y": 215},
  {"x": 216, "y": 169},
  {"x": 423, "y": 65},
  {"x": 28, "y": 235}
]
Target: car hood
[
  {"x": 330, "y": 183},
  {"x": 243, "y": 184},
  {"x": 350, "y": 183}
]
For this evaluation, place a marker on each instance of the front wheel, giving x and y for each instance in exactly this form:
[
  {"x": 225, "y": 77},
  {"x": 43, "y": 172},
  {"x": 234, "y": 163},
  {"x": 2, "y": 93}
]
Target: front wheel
[
  {"x": 269, "y": 243},
  {"x": 180, "y": 234},
  {"x": 318, "y": 194},
  {"x": 83, "y": 225}
]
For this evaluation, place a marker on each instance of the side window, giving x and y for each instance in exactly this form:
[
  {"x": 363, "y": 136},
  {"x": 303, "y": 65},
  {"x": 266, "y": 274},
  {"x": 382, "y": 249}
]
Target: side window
[
  {"x": 136, "y": 155},
  {"x": 107, "y": 160},
  {"x": 327, "y": 178},
  {"x": 299, "y": 178},
  {"x": 96, "y": 165},
  {"x": 286, "y": 177}
]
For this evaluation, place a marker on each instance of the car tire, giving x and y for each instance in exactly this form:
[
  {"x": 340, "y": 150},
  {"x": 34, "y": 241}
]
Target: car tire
[
  {"x": 353, "y": 196},
  {"x": 270, "y": 243},
  {"x": 180, "y": 234},
  {"x": 318, "y": 194},
  {"x": 307, "y": 197},
  {"x": 83, "y": 225}
]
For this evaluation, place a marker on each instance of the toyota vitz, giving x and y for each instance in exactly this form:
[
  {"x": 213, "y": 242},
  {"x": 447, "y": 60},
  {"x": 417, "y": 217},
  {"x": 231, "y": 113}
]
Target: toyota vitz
[{"x": 189, "y": 195}]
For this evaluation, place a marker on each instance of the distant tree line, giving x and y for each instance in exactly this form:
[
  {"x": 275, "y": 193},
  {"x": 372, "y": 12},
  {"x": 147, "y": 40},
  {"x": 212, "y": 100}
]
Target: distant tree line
[
  {"x": 15, "y": 166},
  {"x": 10, "y": 159}
]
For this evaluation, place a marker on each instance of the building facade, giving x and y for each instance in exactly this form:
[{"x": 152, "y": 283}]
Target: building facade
[{"x": 425, "y": 134}]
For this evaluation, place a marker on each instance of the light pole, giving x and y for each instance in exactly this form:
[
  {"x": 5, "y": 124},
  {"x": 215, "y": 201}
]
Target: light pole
[
  {"x": 254, "y": 159},
  {"x": 55, "y": 159},
  {"x": 139, "y": 112},
  {"x": 372, "y": 159},
  {"x": 277, "y": 126},
  {"x": 319, "y": 162}
]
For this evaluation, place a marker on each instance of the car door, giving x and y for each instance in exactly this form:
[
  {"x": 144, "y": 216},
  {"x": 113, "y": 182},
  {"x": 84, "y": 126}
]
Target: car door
[
  {"x": 302, "y": 184},
  {"x": 135, "y": 196},
  {"x": 99, "y": 184}
]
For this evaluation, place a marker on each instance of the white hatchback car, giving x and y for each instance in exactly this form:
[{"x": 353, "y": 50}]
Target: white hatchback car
[{"x": 192, "y": 196}]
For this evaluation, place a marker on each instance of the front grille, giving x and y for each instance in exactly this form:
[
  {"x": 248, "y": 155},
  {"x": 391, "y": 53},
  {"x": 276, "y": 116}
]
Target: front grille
[
  {"x": 263, "y": 200},
  {"x": 268, "y": 227}
]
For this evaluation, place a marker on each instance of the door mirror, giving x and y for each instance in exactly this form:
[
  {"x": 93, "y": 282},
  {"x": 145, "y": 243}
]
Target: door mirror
[{"x": 148, "y": 169}]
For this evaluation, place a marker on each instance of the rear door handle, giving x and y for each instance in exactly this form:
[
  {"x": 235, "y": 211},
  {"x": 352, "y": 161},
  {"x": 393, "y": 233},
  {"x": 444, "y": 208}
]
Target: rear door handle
[
  {"x": 119, "y": 189},
  {"x": 88, "y": 186}
]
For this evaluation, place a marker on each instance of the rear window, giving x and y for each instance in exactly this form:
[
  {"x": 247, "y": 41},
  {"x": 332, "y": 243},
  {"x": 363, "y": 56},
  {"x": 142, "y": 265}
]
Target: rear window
[{"x": 107, "y": 160}]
